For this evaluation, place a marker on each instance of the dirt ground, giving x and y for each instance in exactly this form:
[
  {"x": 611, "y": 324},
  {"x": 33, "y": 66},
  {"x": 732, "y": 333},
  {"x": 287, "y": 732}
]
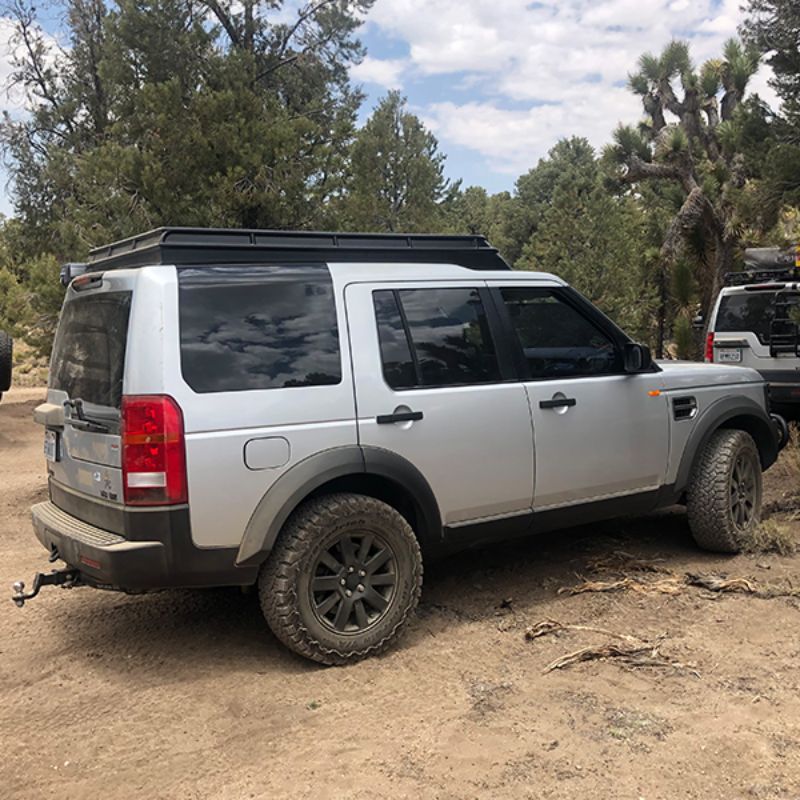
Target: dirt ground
[{"x": 187, "y": 694}]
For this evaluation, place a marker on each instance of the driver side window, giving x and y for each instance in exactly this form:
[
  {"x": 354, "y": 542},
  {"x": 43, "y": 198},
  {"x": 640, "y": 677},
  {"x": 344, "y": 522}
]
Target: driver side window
[{"x": 558, "y": 341}]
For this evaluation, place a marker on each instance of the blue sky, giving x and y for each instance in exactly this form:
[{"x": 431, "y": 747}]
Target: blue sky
[{"x": 500, "y": 81}]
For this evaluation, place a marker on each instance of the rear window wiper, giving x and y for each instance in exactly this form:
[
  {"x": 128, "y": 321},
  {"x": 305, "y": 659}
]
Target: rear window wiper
[{"x": 80, "y": 419}]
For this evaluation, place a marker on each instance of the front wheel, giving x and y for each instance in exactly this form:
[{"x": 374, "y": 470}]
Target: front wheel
[
  {"x": 343, "y": 579},
  {"x": 724, "y": 494}
]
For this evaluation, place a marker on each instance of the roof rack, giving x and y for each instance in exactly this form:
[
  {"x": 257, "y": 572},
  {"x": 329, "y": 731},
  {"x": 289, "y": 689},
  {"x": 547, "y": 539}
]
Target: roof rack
[
  {"x": 749, "y": 276},
  {"x": 767, "y": 265},
  {"x": 207, "y": 246}
]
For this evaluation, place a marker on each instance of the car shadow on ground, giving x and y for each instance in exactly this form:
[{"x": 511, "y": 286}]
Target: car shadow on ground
[{"x": 199, "y": 630}]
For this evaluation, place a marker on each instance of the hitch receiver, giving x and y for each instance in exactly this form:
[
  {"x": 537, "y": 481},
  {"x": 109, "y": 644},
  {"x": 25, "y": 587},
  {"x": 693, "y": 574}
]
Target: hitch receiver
[{"x": 66, "y": 578}]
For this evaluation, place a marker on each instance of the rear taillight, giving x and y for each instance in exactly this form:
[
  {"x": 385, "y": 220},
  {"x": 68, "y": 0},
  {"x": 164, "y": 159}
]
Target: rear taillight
[
  {"x": 153, "y": 452},
  {"x": 709, "y": 356}
]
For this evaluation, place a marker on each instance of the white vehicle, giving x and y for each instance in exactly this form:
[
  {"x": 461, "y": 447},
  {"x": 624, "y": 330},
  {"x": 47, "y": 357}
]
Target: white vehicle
[
  {"x": 754, "y": 323},
  {"x": 315, "y": 414}
]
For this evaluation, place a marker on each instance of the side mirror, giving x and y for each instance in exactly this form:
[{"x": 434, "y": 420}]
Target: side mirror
[
  {"x": 699, "y": 322},
  {"x": 636, "y": 358},
  {"x": 70, "y": 271}
]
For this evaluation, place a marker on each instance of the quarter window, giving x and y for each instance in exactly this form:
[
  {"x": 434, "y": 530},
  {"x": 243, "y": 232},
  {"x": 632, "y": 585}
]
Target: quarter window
[
  {"x": 258, "y": 327},
  {"x": 558, "y": 341},
  {"x": 434, "y": 337}
]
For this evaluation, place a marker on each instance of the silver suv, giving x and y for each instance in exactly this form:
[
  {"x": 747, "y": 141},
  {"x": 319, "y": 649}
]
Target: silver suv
[
  {"x": 315, "y": 414},
  {"x": 754, "y": 323}
]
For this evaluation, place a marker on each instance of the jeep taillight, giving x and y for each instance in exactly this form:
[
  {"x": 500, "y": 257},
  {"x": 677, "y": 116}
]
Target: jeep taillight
[
  {"x": 709, "y": 356},
  {"x": 153, "y": 452}
]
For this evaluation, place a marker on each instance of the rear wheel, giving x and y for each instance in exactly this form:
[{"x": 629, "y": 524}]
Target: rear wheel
[
  {"x": 724, "y": 495},
  {"x": 6, "y": 352},
  {"x": 343, "y": 579}
]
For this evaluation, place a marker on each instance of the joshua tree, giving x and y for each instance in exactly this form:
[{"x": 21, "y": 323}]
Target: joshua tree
[{"x": 689, "y": 140}]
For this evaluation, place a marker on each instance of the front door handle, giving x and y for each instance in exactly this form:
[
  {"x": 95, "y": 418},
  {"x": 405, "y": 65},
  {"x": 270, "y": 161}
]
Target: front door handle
[
  {"x": 558, "y": 402},
  {"x": 401, "y": 416}
]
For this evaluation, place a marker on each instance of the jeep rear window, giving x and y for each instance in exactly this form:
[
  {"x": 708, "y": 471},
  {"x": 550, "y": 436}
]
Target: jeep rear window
[
  {"x": 89, "y": 349},
  {"x": 753, "y": 312},
  {"x": 258, "y": 327}
]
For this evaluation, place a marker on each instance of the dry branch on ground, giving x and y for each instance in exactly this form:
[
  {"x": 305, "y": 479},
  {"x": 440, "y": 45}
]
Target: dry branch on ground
[{"x": 674, "y": 584}]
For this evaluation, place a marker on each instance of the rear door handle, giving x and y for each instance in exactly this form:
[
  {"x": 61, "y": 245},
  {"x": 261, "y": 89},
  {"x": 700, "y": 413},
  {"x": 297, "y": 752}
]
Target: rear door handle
[
  {"x": 558, "y": 402},
  {"x": 402, "y": 416}
]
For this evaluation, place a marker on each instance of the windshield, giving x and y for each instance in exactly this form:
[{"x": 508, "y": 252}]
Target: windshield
[
  {"x": 89, "y": 350},
  {"x": 754, "y": 312}
]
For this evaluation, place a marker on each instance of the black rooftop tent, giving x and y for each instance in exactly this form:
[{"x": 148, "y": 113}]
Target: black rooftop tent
[{"x": 218, "y": 246}]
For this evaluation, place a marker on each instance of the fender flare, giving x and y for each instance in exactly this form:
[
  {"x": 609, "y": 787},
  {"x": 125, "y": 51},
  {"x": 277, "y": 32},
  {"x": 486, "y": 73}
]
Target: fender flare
[
  {"x": 297, "y": 483},
  {"x": 759, "y": 426}
]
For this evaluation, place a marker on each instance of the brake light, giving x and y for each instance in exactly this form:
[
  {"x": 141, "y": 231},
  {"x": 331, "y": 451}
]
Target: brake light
[
  {"x": 153, "y": 451},
  {"x": 709, "y": 357}
]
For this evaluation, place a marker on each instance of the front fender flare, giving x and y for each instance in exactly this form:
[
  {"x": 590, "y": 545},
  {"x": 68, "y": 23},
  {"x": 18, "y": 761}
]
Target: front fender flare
[{"x": 717, "y": 415}]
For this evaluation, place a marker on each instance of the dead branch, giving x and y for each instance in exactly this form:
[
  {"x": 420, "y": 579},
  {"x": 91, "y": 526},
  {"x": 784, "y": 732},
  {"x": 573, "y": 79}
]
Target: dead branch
[
  {"x": 620, "y": 561},
  {"x": 670, "y": 585},
  {"x": 549, "y": 626}
]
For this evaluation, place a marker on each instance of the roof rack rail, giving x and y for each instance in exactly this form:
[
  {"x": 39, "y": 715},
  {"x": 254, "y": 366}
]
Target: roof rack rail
[
  {"x": 207, "y": 246},
  {"x": 767, "y": 265},
  {"x": 749, "y": 276}
]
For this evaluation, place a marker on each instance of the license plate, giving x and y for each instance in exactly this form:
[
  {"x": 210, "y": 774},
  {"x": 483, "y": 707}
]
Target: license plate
[
  {"x": 729, "y": 355},
  {"x": 51, "y": 445}
]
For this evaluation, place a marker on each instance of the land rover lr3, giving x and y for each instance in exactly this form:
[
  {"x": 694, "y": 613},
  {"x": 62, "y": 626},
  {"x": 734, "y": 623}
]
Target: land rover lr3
[{"x": 314, "y": 413}]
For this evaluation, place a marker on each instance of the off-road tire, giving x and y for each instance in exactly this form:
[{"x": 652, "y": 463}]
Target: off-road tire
[
  {"x": 285, "y": 579},
  {"x": 6, "y": 351},
  {"x": 711, "y": 488}
]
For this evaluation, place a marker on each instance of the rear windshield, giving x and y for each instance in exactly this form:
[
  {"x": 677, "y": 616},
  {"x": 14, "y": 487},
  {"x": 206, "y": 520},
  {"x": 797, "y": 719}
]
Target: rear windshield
[
  {"x": 89, "y": 350},
  {"x": 754, "y": 312},
  {"x": 258, "y": 327}
]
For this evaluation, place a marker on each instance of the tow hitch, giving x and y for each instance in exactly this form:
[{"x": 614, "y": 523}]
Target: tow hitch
[{"x": 66, "y": 578}]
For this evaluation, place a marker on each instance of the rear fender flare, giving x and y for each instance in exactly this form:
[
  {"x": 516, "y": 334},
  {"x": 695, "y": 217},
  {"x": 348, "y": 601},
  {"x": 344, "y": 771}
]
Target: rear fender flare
[{"x": 295, "y": 485}]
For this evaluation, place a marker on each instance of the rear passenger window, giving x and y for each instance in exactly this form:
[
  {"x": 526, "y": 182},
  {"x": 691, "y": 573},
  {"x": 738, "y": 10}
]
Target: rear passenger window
[
  {"x": 258, "y": 327},
  {"x": 434, "y": 337},
  {"x": 557, "y": 340}
]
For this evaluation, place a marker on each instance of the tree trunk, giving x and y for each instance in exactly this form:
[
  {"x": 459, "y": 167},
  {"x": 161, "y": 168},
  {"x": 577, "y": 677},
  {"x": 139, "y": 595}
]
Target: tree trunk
[
  {"x": 662, "y": 308},
  {"x": 724, "y": 249}
]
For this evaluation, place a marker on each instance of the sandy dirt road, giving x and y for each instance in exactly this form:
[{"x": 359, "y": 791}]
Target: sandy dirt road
[{"x": 187, "y": 694}]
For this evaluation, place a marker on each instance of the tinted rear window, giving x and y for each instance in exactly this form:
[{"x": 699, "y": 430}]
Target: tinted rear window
[
  {"x": 258, "y": 327},
  {"x": 752, "y": 311},
  {"x": 448, "y": 341},
  {"x": 89, "y": 350}
]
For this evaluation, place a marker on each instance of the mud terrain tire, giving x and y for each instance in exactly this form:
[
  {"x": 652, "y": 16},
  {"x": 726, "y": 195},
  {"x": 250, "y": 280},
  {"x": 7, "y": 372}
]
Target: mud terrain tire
[
  {"x": 343, "y": 579},
  {"x": 725, "y": 490}
]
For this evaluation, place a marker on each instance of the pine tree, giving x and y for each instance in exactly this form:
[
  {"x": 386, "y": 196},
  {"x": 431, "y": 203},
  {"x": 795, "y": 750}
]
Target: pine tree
[{"x": 397, "y": 171}]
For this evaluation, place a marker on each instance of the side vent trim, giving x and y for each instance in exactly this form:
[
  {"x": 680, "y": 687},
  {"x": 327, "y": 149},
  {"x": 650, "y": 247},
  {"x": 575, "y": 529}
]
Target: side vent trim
[{"x": 684, "y": 407}]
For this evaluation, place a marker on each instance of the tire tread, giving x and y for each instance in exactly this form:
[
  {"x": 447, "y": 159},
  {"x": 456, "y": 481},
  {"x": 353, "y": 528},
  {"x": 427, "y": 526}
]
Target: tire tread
[
  {"x": 277, "y": 582},
  {"x": 708, "y": 494}
]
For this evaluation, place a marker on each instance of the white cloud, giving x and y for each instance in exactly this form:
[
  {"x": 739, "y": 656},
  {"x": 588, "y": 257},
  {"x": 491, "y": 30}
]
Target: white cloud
[
  {"x": 540, "y": 71},
  {"x": 385, "y": 72}
]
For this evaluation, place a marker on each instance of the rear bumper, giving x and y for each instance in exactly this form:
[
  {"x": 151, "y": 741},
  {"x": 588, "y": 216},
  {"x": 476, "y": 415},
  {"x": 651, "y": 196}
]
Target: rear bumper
[
  {"x": 784, "y": 386},
  {"x": 155, "y": 552},
  {"x": 784, "y": 394},
  {"x": 103, "y": 558}
]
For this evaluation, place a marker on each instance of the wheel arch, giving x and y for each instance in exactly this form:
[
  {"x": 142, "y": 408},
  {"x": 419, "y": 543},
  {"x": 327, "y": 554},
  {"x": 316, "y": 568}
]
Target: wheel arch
[
  {"x": 733, "y": 413},
  {"x": 371, "y": 471}
]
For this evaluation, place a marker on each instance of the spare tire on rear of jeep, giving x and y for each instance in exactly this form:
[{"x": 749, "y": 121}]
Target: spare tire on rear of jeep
[{"x": 6, "y": 349}]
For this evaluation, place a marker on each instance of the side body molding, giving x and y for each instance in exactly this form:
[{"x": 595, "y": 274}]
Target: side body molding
[
  {"x": 307, "y": 476},
  {"x": 750, "y": 416}
]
